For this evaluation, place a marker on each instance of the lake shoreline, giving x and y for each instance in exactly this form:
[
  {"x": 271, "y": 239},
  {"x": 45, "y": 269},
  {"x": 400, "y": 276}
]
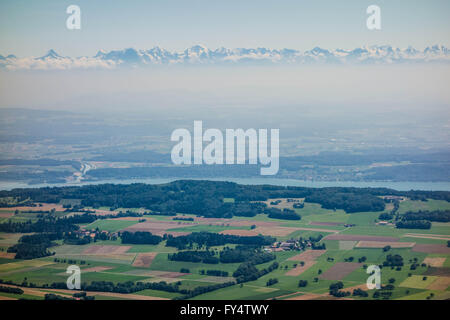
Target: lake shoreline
[{"x": 396, "y": 185}]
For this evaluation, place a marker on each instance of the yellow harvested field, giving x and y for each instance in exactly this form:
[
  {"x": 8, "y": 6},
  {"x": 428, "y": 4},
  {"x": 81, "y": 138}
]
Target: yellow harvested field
[
  {"x": 43, "y": 292},
  {"x": 106, "y": 250},
  {"x": 275, "y": 231},
  {"x": 238, "y": 232},
  {"x": 317, "y": 229},
  {"x": 7, "y": 255},
  {"x": 271, "y": 231},
  {"x": 441, "y": 284},
  {"x": 418, "y": 282},
  {"x": 427, "y": 236},
  {"x": 23, "y": 264},
  {"x": 144, "y": 260},
  {"x": 307, "y": 296},
  {"x": 96, "y": 269},
  {"x": 434, "y": 262},
  {"x": 44, "y": 207},
  {"x": 309, "y": 255},
  {"x": 158, "y": 227},
  {"x": 299, "y": 269}
]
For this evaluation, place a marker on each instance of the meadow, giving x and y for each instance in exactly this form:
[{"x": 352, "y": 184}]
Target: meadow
[{"x": 342, "y": 259}]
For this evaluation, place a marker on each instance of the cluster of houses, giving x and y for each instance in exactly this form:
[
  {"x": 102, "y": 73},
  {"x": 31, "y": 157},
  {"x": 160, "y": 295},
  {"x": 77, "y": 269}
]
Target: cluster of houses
[
  {"x": 348, "y": 225},
  {"x": 394, "y": 198},
  {"x": 96, "y": 234},
  {"x": 287, "y": 245}
]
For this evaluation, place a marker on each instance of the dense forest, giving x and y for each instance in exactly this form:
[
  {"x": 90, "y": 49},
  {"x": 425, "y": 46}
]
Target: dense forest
[
  {"x": 205, "y": 198},
  {"x": 249, "y": 254},
  {"x": 34, "y": 246},
  {"x": 422, "y": 219},
  {"x": 285, "y": 214},
  {"x": 437, "y": 216},
  {"x": 140, "y": 237},
  {"x": 48, "y": 224},
  {"x": 210, "y": 239}
]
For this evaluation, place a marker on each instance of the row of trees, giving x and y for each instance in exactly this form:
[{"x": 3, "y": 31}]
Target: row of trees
[
  {"x": 215, "y": 273},
  {"x": 413, "y": 224},
  {"x": 11, "y": 290},
  {"x": 251, "y": 254},
  {"x": 195, "y": 256},
  {"x": 209, "y": 239},
  {"x": 437, "y": 216},
  {"x": 248, "y": 272},
  {"x": 140, "y": 237}
]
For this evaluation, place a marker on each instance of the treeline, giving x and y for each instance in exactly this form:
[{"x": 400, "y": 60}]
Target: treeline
[
  {"x": 121, "y": 287},
  {"x": 215, "y": 273},
  {"x": 242, "y": 209},
  {"x": 195, "y": 256},
  {"x": 11, "y": 290},
  {"x": 437, "y": 216},
  {"x": 349, "y": 202},
  {"x": 78, "y": 295},
  {"x": 248, "y": 272},
  {"x": 335, "y": 290},
  {"x": 140, "y": 237},
  {"x": 52, "y": 296},
  {"x": 183, "y": 219},
  {"x": 34, "y": 246},
  {"x": 413, "y": 224},
  {"x": 75, "y": 239},
  {"x": 205, "y": 198},
  {"x": 286, "y": 214},
  {"x": 422, "y": 219},
  {"x": 251, "y": 254},
  {"x": 131, "y": 287},
  {"x": 48, "y": 224},
  {"x": 209, "y": 239},
  {"x": 203, "y": 289},
  {"x": 393, "y": 213}
]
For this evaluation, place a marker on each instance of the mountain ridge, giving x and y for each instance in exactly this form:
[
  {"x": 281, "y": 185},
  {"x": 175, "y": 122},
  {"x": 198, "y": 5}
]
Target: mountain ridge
[{"x": 199, "y": 54}]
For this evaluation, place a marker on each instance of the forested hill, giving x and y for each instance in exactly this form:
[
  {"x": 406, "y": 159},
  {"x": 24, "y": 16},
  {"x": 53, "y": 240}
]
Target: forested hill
[{"x": 206, "y": 197}]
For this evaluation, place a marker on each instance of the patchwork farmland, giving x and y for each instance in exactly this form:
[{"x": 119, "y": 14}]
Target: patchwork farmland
[{"x": 187, "y": 255}]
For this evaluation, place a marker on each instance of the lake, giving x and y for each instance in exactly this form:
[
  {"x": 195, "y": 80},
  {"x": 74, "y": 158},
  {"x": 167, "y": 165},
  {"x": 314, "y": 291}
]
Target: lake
[{"x": 401, "y": 186}]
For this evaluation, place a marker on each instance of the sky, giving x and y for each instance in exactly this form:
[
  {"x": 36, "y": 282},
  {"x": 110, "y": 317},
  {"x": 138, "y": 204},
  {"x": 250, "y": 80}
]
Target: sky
[
  {"x": 31, "y": 28},
  {"x": 413, "y": 97}
]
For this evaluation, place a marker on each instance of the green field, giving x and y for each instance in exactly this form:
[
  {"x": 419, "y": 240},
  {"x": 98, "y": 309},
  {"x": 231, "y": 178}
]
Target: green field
[
  {"x": 408, "y": 281},
  {"x": 110, "y": 225}
]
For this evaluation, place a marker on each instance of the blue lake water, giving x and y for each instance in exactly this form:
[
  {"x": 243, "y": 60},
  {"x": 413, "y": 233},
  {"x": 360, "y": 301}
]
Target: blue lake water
[{"x": 402, "y": 186}]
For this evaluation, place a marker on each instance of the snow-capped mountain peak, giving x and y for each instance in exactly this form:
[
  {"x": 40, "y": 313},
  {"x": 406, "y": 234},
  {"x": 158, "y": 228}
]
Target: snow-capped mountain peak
[
  {"x": 200, "y": 54},
  {"x": 51, "y": 54}
]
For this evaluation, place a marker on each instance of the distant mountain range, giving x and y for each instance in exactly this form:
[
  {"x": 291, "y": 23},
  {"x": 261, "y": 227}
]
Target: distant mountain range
[{"x": 199, "y": 54}]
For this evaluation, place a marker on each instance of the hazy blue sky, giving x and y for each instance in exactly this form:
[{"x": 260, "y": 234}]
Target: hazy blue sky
[{"x": 33, "y": 27}]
